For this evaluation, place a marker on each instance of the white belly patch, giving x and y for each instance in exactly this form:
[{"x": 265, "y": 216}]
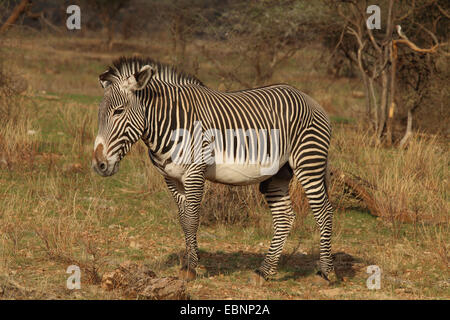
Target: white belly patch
[
  {"x": 240, "y": 174},
  {"x": 237, "y": 174}
]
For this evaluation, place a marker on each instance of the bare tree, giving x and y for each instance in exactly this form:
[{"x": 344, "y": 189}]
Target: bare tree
[
  {"x": 183, "y": 21},
  {"x": 107, "y": 11},
  {"x": 375, "y": 53},
  {"x": 405, "y": 41},
  {"x": 263, "y": 35}
]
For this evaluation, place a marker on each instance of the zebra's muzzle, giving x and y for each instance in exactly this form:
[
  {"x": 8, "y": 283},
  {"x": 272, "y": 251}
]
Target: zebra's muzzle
[
  {"x": 101, "y": 165},
  {"x": 104, "y": 169}
]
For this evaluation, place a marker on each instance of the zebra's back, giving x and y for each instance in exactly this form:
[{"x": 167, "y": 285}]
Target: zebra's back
[{"x": 257, "y": 128}]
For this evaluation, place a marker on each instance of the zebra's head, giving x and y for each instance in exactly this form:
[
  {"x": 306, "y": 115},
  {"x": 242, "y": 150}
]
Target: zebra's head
[{"x": 121, "y": 117}]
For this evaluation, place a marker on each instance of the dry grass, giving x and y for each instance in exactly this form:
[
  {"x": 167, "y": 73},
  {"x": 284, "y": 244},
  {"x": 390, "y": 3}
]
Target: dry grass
[
  {"x": 18, "y": 143},
  {"x": 409, "y": 184},
  {"x": 18, "y": 140}
]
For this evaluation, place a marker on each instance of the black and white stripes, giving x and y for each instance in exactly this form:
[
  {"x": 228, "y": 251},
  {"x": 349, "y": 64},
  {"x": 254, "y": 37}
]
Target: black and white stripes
[{"x": 265, "y": 135}]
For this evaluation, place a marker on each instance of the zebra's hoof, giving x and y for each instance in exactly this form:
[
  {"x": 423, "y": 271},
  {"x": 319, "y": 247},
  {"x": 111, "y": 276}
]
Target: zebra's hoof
[
  {"x": 257, "y": 279},
  {"x": 187, "y": 274},
  {"x": 324, "y": 278},
  {"x": 323, "y": 275}
]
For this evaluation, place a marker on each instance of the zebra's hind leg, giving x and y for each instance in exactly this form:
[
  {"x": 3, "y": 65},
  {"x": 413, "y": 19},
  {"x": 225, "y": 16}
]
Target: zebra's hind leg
[
  {"x": 312, "y": 178},
  {"x": 276, "y": 193}
]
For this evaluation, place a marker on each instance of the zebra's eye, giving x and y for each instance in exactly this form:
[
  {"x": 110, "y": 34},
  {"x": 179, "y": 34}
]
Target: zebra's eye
[{"x": 118, "y": 111}]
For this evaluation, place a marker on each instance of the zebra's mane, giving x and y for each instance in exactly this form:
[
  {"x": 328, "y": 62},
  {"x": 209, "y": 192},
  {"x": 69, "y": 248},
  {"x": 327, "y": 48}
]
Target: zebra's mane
[{"x": 123, "y": 67}]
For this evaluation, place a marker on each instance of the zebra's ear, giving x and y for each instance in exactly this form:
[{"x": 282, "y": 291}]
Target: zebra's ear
[
  {"x": 104, "y": 82},
  {"x": 140, "y": 79}
]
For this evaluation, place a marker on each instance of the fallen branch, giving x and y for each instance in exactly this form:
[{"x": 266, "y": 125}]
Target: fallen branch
[
  {"x": 363, "y": 191},
  {"x": 139, "y": 282},
  {"x": 359, "y": 188}
]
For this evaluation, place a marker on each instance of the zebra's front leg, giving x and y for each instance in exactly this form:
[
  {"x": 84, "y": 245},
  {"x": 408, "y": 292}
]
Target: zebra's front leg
[
  {"x": 177, "y": 190},
  {"x": 276, "y": 192},
  {"x": 189, "y": 220}
]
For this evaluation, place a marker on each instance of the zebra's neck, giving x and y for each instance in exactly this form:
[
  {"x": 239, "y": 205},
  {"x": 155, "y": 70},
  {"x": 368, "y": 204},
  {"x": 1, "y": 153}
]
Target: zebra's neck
[{"x": 168, "y": 108}]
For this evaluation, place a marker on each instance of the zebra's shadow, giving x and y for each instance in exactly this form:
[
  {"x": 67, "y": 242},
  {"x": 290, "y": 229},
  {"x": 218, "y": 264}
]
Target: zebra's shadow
[{"x": 293, "y": 266}]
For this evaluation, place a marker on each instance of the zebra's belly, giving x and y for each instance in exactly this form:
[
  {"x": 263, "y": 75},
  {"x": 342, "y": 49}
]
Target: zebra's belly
[
  {"x": 239, "y": 174},
  {"x": 227, "y": 173}
]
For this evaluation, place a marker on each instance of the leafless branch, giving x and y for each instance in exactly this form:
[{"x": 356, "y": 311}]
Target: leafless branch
[
  {"x": 404, "y": 40},
  {"x": 220, "y": 70},
  {"x": 432, "y": 35},
  {"x": 442, "y": 11}
]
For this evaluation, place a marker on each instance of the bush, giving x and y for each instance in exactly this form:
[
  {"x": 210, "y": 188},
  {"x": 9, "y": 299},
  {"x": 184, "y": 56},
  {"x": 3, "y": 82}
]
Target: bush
[{"x": 231, "y": 205}]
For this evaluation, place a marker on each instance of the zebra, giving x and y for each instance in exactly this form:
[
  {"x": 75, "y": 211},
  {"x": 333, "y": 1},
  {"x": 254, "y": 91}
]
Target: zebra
[{"x": 154, "y": 102}]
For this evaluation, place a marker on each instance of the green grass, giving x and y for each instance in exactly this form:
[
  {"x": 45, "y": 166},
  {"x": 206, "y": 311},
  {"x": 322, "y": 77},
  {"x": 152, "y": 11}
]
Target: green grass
[
  {"x": 341, "y": 120},
  {"x": 71, "y": 97}
]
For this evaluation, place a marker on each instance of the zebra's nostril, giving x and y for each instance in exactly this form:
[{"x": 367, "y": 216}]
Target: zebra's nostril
[{"x": 102, "y": 166}]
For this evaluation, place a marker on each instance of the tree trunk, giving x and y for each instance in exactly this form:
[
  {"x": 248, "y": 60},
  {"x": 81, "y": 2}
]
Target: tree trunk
[
  {"x": 385, "y": 55},
  {"x": 110, "y": 30},
  {"x": 383, "y": 104},
  {"x": 18, "y": 10},
  {"x": 373, "y": 98},
  {"x": 390, "y": 120},
  {"x": 408, "y": 130}
]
